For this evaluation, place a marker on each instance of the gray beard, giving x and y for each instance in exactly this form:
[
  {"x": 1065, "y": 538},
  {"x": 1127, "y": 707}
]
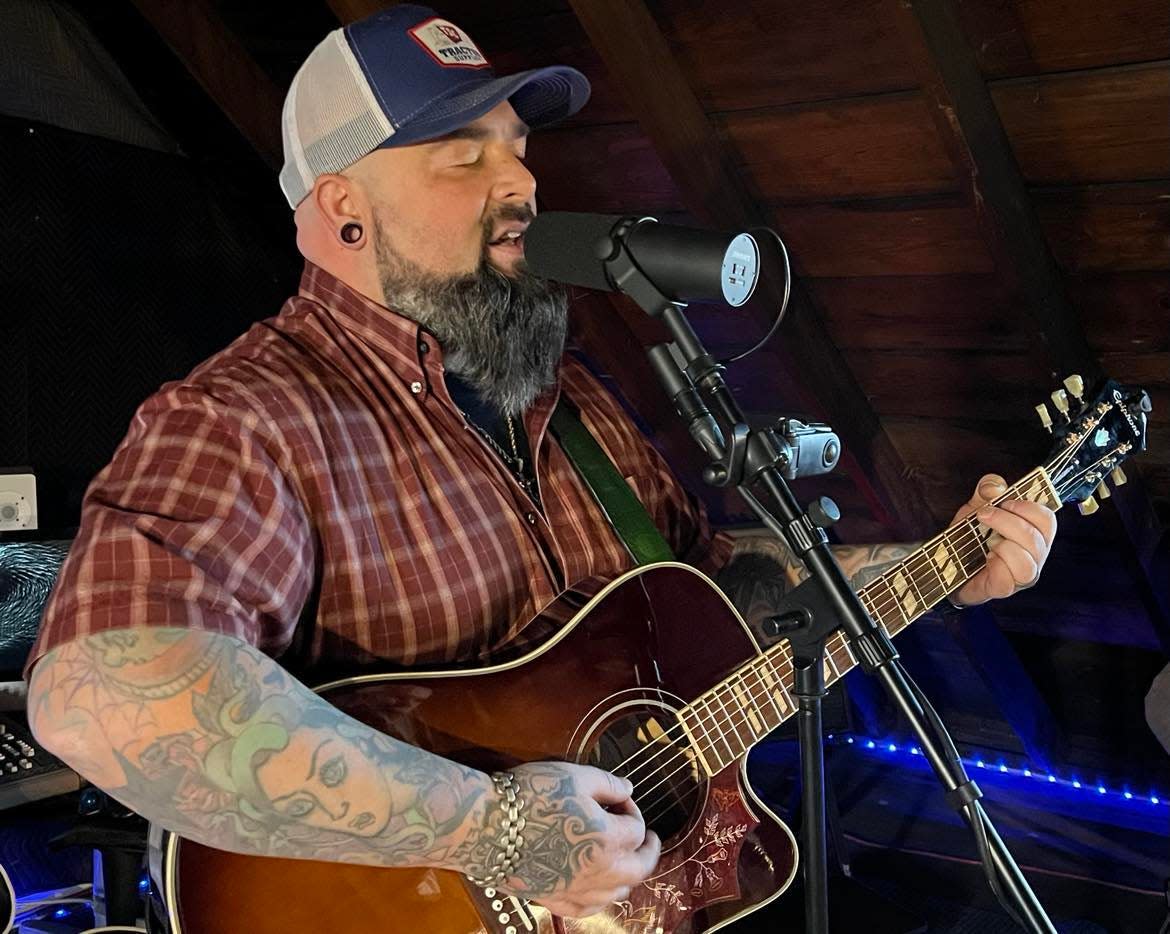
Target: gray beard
[{"x": 502, "y": 335}]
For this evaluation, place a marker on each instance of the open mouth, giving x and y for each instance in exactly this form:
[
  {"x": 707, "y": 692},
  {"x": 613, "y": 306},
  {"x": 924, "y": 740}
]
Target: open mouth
[{"x": 513, "y": 240}]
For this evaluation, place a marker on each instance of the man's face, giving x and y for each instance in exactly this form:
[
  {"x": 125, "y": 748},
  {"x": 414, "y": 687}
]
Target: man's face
[
  {"x": 439, "y": 212},
  {"x": 440, "y": 203}
]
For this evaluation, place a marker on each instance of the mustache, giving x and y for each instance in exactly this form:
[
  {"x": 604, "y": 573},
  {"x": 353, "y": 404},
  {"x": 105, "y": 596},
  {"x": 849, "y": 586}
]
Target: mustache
[{"x": 507, "y": 212}]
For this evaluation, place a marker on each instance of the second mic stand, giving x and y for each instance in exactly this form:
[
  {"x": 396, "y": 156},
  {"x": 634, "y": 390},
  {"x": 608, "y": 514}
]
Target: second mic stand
[{"x": 825, "y": 602}]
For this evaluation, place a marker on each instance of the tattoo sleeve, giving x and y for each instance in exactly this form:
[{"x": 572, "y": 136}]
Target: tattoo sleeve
[
  {"x": 208, "y": 737},
  {"x": 763, "y": 569}
]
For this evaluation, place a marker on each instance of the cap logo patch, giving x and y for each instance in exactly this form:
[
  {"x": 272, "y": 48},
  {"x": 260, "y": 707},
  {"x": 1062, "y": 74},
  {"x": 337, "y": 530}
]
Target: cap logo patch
[{"x": 447, "y": 44}]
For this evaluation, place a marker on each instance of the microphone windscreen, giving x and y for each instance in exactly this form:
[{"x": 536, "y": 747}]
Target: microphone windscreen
[{"x": 563, "y": 246}]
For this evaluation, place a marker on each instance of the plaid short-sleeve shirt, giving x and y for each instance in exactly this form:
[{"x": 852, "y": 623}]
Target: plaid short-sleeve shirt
[{"x": 316, "y": 473}]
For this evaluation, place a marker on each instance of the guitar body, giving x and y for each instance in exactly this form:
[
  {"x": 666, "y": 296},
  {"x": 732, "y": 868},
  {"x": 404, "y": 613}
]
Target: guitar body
[{"x": 627, "y": 654}]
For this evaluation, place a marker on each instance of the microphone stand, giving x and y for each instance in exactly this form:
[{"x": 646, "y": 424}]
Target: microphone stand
[{"x": 818, "y": 607}]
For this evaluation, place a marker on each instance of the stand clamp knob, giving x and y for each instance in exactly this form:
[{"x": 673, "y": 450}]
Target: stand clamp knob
[{"x": 823, "y": 512}]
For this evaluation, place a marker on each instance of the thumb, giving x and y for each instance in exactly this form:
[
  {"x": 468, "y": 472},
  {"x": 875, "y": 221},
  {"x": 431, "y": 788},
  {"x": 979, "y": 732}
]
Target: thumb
[
  {"x": 988, "y": 488},
  {"x": 610, "y": 789}
]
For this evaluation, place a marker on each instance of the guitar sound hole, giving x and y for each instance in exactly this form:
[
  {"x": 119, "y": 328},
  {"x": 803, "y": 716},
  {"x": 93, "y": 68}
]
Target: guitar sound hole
[{"x": 649, "y": 748}]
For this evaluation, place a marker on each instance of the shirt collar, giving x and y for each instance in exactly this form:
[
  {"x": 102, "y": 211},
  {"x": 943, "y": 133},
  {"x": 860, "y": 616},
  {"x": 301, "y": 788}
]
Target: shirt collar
[{"x": 404, "y": 344}]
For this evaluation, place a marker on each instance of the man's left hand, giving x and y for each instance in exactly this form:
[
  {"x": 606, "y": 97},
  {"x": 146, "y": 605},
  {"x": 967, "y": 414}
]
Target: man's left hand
[{"x": 1022, "y": 534}]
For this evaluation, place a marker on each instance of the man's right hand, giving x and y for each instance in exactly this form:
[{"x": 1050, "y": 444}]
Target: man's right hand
[{"x": 585, "y": 843}]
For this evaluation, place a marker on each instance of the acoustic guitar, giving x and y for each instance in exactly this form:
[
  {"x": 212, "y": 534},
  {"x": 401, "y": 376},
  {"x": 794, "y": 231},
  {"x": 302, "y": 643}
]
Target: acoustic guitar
[{"x": 653, "y": 676}]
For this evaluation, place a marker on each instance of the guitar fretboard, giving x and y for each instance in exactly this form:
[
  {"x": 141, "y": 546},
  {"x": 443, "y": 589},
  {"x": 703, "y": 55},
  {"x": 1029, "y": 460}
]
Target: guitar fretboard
[{"x": 726, "y": 721}]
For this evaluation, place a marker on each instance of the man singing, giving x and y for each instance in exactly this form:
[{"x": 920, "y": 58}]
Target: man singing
[{"x": 368, "y": 478}]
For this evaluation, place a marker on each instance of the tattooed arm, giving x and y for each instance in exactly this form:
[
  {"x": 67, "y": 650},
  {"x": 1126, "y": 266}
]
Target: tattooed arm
[
  {"x": 763, "y": 569},
  {"x": 210, "y": 738}
]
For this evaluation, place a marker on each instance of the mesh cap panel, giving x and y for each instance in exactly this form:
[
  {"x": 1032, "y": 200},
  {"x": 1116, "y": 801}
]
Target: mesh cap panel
[{"x": 330, "y": 118}]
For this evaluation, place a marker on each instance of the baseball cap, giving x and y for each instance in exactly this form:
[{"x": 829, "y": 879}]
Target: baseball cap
[{"x": 401, "y": 76}]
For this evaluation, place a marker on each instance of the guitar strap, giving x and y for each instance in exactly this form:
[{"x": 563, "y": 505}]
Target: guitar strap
[{"x": 625, "y": 513}]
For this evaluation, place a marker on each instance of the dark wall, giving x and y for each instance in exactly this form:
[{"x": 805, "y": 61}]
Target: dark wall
[{"x": 120, "y": 268}]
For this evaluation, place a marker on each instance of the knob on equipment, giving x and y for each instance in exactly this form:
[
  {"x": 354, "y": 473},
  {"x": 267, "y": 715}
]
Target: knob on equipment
[
  {"x": 1075, "y": 386},
  {"x": 1088, "y": 507},
  {"x": 1045, "y": 418},
  {"x": 1117, "y": 475},
  {"x": 1103, "y": 490},
  {"x": 1060, "y": 400}
]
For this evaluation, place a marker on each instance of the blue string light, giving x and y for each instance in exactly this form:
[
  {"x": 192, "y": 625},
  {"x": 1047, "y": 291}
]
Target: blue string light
[{"x": 886, "y": 747}]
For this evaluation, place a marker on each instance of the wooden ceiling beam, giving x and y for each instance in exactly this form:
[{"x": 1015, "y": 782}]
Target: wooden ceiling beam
[
  {"x": 639, "y": 59},
  {"x": 972, "y": 131},
  {"x": 347, "y": 11},
  {"x": 216, "y": 59}
]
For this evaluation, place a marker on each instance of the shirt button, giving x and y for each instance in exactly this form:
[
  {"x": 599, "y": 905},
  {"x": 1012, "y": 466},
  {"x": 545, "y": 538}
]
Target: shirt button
[
  {"x": 531, "y": 517},
  {"x": 423, "y": 346},
  {"x": 416, "y": 387}
]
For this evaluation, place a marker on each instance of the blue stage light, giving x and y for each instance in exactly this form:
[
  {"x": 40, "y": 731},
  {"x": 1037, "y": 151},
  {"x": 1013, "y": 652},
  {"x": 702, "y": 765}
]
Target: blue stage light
[{"x": 886, "y": 746}]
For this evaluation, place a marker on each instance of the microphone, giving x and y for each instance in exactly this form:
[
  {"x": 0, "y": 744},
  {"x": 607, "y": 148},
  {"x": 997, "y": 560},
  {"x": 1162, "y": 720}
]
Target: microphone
[{"x": 684, "y": 263}]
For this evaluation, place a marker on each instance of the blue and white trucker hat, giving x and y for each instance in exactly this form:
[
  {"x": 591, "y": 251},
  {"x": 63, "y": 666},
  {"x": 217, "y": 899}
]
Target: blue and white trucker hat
[{"x": 402, "y": 76}]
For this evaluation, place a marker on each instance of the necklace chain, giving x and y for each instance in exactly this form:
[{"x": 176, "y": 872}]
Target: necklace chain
[{"x": 514, "y": 461}]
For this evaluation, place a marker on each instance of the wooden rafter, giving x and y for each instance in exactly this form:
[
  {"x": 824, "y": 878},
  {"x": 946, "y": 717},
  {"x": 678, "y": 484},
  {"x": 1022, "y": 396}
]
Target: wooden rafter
[
  {"x": 219, "y": 62},
  {"x": 970, "y": 127},
  {"x": 638, "y": 58}
]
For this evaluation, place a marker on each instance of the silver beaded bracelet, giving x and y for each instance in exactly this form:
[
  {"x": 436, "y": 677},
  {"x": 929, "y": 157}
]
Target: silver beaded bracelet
[{"x": 510, "y": 840}]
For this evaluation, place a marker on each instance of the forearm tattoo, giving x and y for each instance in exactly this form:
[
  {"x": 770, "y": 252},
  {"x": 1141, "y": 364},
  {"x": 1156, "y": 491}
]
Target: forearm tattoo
[
  {"x": 560, "y": 837},
  {"x": 208, "y": 737},
  {"x": 763, "y": 570}
]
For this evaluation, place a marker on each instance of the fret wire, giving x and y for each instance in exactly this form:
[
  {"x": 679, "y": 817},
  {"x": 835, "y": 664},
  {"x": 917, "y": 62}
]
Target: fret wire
[
  {"x": 725, "y": 687},
  {"x": 693, "y": 734},
  {"x": 843, "y": 646},
  {"x": 898, "y": 603},
  {"x": 778, "y": 678},
  {"x": 727, "y": 722},
  {"x": 941, "y": 584},
  {"x": 757, "y": 670},
  {"x": 757, "y": 711},
  {"x": 752, "y": 713},
  {"x": 718, "y": 759},
  {"x": 908, "y": 574}
]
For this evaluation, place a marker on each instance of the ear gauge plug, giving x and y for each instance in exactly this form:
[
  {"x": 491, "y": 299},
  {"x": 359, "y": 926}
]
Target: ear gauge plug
[{"x": 351, "y": 233}]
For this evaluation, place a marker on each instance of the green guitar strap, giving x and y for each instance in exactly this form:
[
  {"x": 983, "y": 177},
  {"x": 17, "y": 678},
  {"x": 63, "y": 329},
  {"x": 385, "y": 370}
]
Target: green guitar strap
[{"x": 621, "y": 507}]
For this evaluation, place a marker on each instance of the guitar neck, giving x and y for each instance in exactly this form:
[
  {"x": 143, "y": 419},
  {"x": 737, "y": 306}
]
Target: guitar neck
[{"x": 727, "y": 720}]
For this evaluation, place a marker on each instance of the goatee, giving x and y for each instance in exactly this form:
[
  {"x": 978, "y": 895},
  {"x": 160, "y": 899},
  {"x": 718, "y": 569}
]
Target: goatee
[{"x": 503, "y": 335}]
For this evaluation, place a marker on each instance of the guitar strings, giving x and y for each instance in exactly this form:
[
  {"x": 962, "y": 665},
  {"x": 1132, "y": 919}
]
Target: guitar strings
[
  {"x": 783, "y": 651},
  {"x": 876, "y": 607},
  {"x": 967, "y": 529}
]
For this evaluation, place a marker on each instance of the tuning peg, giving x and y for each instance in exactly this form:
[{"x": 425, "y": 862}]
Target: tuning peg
[
  {"x": 1075, "y": 386},
  {"x": 1103, "y": 490},
  {"x": 1045, "y": 418},
  {"x": 1060, "y": 400},
  {"x": 1117, "y": 475},
  {"x": 1088, "y": 507}
]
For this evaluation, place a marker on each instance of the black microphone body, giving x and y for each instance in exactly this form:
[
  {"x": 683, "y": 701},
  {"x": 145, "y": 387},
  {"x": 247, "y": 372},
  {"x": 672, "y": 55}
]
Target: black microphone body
[{"x": 685, "y": 264}]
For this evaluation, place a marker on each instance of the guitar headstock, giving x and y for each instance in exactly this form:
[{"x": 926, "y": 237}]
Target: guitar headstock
[{"x": 1094, "y": 435}]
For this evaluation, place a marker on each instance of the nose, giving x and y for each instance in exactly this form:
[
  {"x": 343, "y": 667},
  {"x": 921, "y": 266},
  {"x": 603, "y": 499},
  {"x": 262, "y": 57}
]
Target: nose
[{"x": 514, "y": 182}]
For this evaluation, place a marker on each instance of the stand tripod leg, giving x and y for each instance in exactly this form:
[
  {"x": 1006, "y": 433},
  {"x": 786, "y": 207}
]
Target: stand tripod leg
[
  {"x": 810, "y": 689},
  {"x": 836, "y": 834}
]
